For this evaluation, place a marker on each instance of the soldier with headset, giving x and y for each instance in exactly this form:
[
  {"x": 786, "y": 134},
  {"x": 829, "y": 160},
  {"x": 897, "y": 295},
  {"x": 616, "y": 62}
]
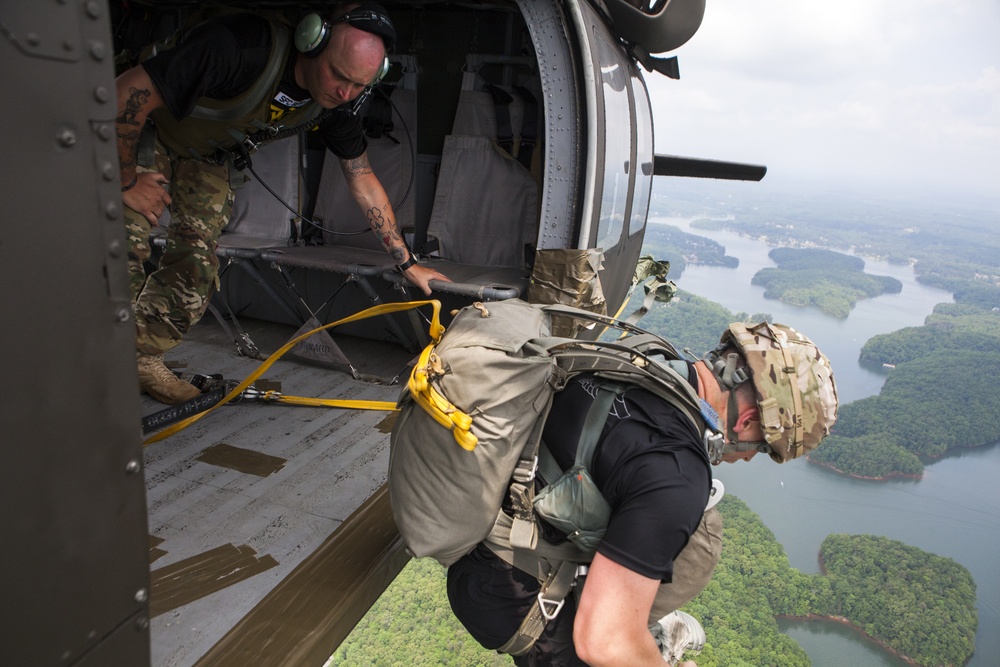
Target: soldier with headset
[{"x": 225, "y": 85}]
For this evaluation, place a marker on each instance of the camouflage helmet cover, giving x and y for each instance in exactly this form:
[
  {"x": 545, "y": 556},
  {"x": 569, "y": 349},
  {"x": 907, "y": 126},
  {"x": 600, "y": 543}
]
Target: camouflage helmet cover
[{"x": 794, "y": 384}]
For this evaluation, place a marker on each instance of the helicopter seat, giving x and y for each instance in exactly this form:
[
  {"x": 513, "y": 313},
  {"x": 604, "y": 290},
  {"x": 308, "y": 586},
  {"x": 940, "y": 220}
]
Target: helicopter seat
[
  {"x": 347, "y": 243},
  {"x": 485, "y": 210}
]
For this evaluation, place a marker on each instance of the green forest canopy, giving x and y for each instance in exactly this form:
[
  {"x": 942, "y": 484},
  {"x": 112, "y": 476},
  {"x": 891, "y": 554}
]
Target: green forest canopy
[
  {"x": 936, "y": 398},
  {"x": 920, "y": 604},
  {"x": 828, "y": 280}
]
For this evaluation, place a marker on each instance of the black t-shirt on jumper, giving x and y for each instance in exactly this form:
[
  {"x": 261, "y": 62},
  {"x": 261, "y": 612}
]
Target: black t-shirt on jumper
[{"x": 652, "y": 468}]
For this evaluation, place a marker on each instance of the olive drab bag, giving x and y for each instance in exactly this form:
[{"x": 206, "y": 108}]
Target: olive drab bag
[{"x": 470, "y": 423}]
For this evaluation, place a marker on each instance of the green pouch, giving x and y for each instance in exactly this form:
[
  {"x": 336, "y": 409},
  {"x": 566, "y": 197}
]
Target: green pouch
[{"x": 573, "y": 505}]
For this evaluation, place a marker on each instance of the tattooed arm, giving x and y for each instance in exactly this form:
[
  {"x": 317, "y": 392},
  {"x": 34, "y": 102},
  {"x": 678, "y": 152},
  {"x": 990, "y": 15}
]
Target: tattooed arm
[
  {"x": 373, "y": 200},
  {"x": 137, "y": 97}
]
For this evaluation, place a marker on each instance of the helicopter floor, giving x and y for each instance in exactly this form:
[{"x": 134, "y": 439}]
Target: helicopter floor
[{"x": 243, "y": 497}]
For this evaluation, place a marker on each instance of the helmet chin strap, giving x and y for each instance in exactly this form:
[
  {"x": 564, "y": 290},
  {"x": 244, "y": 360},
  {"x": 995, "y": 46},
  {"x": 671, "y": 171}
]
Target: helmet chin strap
[{"x": 730, "y": 377}]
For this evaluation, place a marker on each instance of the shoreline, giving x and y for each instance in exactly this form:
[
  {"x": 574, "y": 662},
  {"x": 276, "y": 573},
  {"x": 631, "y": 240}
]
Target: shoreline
[
  {"x": 884, "y": 478},
  {"x": 843, "y": 620}
]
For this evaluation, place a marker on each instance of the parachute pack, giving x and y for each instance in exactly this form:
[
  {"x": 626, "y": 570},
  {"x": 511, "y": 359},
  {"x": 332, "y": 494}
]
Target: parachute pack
[
  {"x": 472, "y": 415},
  {"x": 468, "y": 434}
]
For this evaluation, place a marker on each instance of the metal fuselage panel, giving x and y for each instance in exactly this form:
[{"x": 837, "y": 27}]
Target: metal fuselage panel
[
  {"x": 619, "y": 155},
  {"x": 73, "y": 570}
]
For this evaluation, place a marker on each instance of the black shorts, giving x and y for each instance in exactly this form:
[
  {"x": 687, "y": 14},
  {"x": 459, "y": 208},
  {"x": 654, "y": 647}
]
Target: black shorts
[{"x": 491, "y": 598}]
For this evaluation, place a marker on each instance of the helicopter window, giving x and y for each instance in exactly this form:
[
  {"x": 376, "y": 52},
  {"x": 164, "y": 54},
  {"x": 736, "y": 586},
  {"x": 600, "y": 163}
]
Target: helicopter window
[
  {"x": 617, "y": 144},
  {"x": 644, "y": 157}
]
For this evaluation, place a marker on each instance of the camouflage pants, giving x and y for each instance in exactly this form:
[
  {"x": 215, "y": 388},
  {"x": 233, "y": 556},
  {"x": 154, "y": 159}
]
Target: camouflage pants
[{"x": 175, "y": 295}]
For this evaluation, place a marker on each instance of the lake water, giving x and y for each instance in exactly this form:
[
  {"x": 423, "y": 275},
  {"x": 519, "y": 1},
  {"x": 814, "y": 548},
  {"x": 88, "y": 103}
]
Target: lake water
[{"x": 953, "y": 511}]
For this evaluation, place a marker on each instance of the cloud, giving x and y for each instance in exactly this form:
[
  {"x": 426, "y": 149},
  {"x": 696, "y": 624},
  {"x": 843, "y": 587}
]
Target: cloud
[{"x": 873, "y": 89}]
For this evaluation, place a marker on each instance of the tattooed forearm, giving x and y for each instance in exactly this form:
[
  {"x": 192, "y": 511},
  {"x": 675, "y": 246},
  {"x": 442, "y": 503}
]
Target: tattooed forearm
[
  {"x": 388, "y": 233},
  {"x": 398, "y": 254},
  {"x": 128, "y": 127},
  {"x": 137, "y": 99},
  {"x": 357, "y": 167}
]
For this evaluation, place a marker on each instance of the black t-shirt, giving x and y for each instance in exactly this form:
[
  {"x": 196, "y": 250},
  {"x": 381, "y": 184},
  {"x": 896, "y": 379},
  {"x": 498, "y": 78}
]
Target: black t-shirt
[
  {"x": 221, "y": 58},
  {"x": 650, "y": 465}
]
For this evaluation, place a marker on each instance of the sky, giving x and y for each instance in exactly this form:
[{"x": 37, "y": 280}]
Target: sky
[{"x": 901, "y": 95}]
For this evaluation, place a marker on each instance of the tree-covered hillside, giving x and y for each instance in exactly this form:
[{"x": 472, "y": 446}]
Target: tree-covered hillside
[
  {"x": 903, "y": 596},
  {"x": 926, "y": 605},
  {"x": 830, "y": 281},
  {"x": 934, "y": 399}
]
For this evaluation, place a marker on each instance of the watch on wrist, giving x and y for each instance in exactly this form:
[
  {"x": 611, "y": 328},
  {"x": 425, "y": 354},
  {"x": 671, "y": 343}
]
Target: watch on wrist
[{"x": 408, "y": 263}]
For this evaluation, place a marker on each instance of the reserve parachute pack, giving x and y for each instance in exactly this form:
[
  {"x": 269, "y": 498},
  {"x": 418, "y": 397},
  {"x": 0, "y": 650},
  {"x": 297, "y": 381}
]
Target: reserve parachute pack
[{"x": 470, "y": 425}]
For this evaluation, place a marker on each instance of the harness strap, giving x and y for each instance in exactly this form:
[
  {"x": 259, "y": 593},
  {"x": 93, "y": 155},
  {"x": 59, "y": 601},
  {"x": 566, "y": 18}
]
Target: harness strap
[
  {"x": 547, "y": 466},
  {"x": 523, "y": 532},
  {"x": 593, "y": 425},
  {"x": 538, "y": 562},
  {"x": 280, "y": 36},
  {"x": 547, "y": 605},
  {"x": 501, "y": 106}
]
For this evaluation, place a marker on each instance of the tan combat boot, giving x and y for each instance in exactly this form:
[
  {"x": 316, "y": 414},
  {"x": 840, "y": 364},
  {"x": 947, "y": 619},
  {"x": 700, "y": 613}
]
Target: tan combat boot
[{"x": 156, "y": 380}]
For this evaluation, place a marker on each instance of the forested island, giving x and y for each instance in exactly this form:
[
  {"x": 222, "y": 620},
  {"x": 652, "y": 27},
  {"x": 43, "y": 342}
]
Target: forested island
[
  {"x": 831, "y": 281},
  {"x": 937, "y": 392},
  {"x": 917, "y": 604},
  {"x": 940, "y": 394},
  {"x": 902, "y": 597}
]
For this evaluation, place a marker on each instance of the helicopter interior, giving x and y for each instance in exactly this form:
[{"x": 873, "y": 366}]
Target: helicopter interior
[{"x": 457, "y": 134}]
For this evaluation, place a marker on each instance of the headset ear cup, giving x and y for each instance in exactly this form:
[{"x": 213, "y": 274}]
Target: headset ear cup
[
  {"x": 311, "y": 35},
  {"x": 383, "y": 70}
]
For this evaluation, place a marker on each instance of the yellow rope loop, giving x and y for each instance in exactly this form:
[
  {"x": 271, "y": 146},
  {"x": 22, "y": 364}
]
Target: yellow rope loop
[
  {"x": 445, "y": 413},
  {"x": 435, "y": 331}
]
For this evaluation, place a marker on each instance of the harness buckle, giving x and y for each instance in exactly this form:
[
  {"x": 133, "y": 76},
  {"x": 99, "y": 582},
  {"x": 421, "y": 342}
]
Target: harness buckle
[
  {"x": 549, "y": 608},
  {"x": 714, "y": 444},
  {"x": 525, "y": 470}
]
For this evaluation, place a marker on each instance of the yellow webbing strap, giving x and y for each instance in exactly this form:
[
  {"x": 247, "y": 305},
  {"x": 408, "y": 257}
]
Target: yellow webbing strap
[
  {"x": 351, "y": 404},
  {"x": 436, "y": 405},
  {"x": 435, "y": 330}
]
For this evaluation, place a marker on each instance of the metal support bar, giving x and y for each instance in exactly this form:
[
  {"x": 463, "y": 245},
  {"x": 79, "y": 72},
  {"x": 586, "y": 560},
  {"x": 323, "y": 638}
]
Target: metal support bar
[
  {"x": 261, "y": 283},
  {"x": 674, "y": 165}
]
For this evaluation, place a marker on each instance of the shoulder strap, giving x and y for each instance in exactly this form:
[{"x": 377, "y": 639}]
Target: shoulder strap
[
  {"x": 597, "y": 415},
  {"x": 251, "y": 98},
  {"x": 593, "y": 425}
]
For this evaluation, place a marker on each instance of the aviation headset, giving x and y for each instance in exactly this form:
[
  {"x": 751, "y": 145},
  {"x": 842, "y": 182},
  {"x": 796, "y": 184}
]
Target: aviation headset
[{"x": 313, "y": 34}]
